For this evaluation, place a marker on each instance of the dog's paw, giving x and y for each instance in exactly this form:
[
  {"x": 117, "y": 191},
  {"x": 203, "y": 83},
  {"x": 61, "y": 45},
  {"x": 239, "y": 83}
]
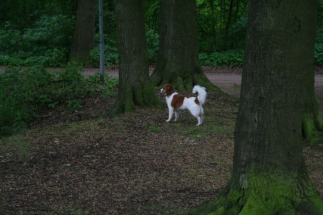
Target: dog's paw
[{"x": 167, "y": 120}]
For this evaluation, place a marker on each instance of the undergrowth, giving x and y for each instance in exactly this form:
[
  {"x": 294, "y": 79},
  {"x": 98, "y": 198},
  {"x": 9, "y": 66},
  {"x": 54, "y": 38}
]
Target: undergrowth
[{"x": 25, "y": 92}]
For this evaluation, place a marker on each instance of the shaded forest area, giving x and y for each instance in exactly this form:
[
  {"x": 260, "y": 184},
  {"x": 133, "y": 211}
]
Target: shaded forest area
[
  {"x": 43, "y": 32},
  {"x": 61, "y": 153}
]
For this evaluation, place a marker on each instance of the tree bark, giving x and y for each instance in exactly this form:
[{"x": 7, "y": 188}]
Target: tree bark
[
  {"x": 269, "y": 174},
  {"x": 178, "y": 60},
  {"x": 82, "y": 43},
  {"x": 312, "y": 119},
  {"x": 134, "y": 86}
]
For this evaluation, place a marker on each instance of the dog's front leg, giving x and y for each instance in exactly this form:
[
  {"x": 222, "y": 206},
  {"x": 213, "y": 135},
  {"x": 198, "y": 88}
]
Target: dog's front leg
[{"x": 170, "y": 114}]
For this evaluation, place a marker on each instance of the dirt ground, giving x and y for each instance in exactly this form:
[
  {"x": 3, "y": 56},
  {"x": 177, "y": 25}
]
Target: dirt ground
[{"x": 86, "y": 163}]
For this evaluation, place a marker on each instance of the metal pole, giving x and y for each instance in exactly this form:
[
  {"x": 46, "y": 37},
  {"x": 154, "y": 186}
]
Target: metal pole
[{"x": 101, "y": 41}]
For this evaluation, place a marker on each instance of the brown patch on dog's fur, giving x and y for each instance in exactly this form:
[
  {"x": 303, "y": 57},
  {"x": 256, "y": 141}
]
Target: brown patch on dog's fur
[
  {"x": 197, "y": 101},
  {"x": 178, "y": 100}
]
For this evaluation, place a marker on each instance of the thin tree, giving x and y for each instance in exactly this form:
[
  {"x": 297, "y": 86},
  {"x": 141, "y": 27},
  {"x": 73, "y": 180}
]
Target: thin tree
[
  {"x": 269, "y": 174},
  {"x": 178, "y": 58},
  {"x": 82, "y": 43},
  {"x": 134, "y": 86}
]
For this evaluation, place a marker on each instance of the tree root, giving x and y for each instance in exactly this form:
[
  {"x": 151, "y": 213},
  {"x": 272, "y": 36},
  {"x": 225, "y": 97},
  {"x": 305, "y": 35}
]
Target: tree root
[
  {"x": 312, "y": 128},
  {"x": 184, "y": 83},
  {"x": 140, "y": 95},
  {"x": 264, "y": 200}
]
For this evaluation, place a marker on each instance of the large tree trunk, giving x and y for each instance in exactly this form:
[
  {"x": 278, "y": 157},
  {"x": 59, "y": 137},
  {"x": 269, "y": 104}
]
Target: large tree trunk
[
  {"x": 82, "y": 43},
  {"x": 178, "y": 60},
  {"x": 269, "y": 174},
  {"x": 134, "y": 85}
]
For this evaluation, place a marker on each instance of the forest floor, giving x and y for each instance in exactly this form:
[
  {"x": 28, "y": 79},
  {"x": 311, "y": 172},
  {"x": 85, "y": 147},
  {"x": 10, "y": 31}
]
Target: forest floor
[{"x": 86, "y": 163}]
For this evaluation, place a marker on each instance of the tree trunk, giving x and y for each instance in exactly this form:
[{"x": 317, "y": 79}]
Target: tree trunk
[
  {"x": 134, "y": 85},
  {"x": 312, "y": 119},
  {"x": 82, "y": 43},
  {"x": 269, "y": 174},
  {"x": 227, "y": 26},
  {"x": 178, "y": 60}
]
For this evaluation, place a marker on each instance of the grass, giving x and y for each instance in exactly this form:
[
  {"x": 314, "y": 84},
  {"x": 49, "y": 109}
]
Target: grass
[{"x": 17, "y": 147}]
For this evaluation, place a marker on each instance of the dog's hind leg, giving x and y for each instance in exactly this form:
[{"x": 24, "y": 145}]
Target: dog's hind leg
[
  {"x": 176, "y": 115},
  {"x": 199, "y": 120},
  {"x": 202, "y": 114}
]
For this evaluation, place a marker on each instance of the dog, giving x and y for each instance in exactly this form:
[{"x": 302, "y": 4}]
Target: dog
[{"x": 176, "y": 102}]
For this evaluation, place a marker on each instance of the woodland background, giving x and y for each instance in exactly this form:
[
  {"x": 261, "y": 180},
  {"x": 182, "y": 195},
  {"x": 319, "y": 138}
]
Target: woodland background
[
  {"x": 60, "y": 153},
  {"x": 40, "y": 32}
]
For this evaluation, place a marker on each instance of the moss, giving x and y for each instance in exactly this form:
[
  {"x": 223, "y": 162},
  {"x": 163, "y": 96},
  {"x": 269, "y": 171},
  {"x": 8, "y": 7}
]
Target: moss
[
  {"x": 312, "y": 128},
  {"x": 313, "y": 206},
  {"x": 141, "y": 95},
  {"x": 266, "y": 194}
]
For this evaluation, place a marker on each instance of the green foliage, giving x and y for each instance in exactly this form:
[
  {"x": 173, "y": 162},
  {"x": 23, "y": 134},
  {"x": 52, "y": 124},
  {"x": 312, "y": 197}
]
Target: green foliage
[
  {"x": 110, "y": 52},
  {"x": 227, "y": 58},
  {"x": 221, "y": 25},
  {"x": 237, "y": 33},
  {"x": 43, "y": 34},
  {"x": 44, "y": 44},
  {"x": 23, "y": 93},
  {"x": 152, "y": 45},
  {"x": 154, "y": 129},
  {"x": 111, "y": 49}
]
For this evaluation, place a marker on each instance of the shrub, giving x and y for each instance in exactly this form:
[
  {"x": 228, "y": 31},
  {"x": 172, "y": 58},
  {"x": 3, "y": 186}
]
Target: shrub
[
  {"x": 227, "y": 58},
  {"x": 110, "y": 52},
  {"x": 152, "y": 45},
  {"x": 23, "y": 93},
  {"x": 47, "y": 43}
]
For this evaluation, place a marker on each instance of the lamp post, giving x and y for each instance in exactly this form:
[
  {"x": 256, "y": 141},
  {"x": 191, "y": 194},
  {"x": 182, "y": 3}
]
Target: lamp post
[{"x": 101, "y": 41}]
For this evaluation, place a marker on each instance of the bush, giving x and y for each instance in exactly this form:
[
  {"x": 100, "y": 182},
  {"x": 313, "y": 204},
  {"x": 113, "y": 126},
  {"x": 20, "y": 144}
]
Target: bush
[
  {"x": 47, "y": 43},
  {"x": 111, "y": 49},
  {"x": 152, "y": 45},
  {"x": 110, "y": 52},
  {"x": 228, "y": 58},
  {"x": 23, "y": 93}
]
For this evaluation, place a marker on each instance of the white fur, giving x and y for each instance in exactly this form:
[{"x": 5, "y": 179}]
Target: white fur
[
  {"x": 201, "y": 93},
  {"x": 189, "y": 104}
]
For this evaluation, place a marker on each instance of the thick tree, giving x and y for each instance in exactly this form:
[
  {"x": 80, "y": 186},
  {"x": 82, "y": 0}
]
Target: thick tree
[
  {"x": 178, "y": 58},
  {"x": 82, "y": 42},
  {"x": 269, "y": 174},
  {"x": 134, "y": 85}
]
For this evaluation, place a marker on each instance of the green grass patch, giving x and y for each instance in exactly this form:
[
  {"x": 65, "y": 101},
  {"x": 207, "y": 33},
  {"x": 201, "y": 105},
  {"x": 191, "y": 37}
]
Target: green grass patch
[
  {"x": 154, "y": 129},
  {"x": 15, "y": 147}
]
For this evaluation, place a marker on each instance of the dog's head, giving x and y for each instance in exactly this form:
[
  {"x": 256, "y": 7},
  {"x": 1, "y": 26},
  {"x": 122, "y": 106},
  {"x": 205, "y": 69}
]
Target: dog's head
[{"x": 168, "y": 89}]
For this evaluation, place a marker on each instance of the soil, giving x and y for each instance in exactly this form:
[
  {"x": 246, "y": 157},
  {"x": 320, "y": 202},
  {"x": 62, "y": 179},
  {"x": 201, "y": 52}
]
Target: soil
[{"x": 86, "y": 163}]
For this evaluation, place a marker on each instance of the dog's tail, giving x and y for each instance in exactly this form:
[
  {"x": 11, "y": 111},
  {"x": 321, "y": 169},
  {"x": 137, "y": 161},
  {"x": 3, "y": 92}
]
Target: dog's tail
[{"x": 201, "y": 93}]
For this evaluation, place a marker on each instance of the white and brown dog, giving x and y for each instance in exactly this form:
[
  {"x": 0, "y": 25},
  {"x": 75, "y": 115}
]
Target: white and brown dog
[{"x": 176, "y": 102}]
